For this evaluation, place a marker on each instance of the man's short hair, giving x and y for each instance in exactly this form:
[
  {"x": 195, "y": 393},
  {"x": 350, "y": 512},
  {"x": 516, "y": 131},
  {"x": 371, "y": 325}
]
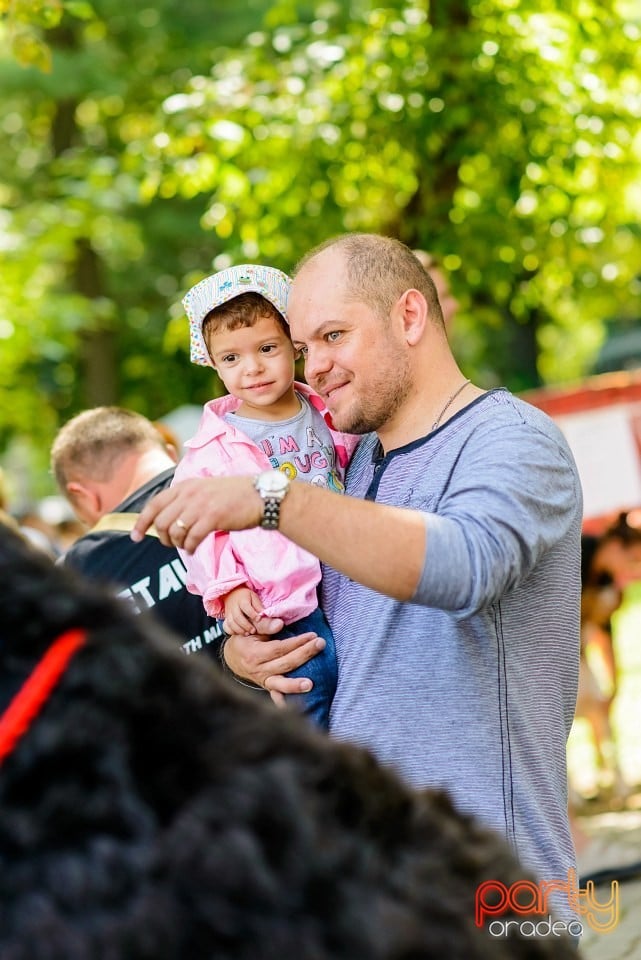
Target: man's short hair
[
  {"x": 379, "y": 271},
  {"x": 91, "y": 443}
]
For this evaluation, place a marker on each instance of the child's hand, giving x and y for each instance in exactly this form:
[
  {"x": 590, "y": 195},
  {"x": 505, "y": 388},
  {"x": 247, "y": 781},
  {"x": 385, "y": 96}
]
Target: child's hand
[{"x": 242, "y": 609}]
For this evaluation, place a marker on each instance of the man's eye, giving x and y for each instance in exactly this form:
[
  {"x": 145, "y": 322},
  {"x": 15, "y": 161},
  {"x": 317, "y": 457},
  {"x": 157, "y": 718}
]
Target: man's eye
[
  {"x": 333, "y": 336},
  {"x": 301, "y": 351}
]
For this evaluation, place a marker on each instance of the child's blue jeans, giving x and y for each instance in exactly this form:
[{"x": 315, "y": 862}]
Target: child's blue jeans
[{"x": 322, "y": 669}]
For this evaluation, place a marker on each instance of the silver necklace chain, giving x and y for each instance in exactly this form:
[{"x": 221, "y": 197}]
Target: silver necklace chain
[{"x": 449, "y": 402}]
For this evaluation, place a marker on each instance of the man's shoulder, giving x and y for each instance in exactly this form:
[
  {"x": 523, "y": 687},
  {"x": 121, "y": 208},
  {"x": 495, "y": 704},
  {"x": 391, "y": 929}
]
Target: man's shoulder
[
  {"x": 499, "y": 410},
  {"x": 93, "y": 544}
]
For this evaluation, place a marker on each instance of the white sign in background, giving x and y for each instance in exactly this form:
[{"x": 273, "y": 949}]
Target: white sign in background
[{"x": 607, "y": 456}]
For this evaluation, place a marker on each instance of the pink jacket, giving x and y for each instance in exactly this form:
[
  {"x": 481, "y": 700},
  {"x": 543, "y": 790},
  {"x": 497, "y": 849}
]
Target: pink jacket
[{"x": 283, "y": 575}]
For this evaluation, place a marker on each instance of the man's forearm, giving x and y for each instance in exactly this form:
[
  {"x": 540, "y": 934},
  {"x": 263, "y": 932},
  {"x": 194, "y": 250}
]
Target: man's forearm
[{"x": 379, "y": 546}]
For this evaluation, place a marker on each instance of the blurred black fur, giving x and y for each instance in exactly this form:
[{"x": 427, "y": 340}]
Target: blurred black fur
[{"x": 155, "y": 812}]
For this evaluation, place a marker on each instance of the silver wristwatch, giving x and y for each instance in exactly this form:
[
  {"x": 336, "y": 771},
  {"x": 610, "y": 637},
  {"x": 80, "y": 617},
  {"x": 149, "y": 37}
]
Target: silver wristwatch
[{"x": 272, "y": 485}]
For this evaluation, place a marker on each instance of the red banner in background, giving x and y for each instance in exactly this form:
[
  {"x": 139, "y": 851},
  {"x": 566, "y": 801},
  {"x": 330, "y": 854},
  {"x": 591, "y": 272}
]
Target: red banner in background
[{"x": 601, "y": 420}]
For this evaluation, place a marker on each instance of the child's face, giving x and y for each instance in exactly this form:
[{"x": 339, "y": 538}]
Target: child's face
[{"x": 256, "y": 364}]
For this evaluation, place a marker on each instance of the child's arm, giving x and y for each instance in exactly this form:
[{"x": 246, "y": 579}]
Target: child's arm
[{"x": 242, "y": 609}]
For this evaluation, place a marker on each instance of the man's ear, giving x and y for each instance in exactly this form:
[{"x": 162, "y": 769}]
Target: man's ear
[
  {"x": 85, "y": 500},
  {"x": 412, "y": 307}
]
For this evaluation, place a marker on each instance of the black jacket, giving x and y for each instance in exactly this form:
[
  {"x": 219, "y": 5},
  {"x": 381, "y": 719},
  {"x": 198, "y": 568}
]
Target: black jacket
[{"x": 148, "y": 573}]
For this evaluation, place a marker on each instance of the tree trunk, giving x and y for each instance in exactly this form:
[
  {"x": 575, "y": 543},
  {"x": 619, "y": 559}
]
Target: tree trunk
[{"x": 98, "y": 355}]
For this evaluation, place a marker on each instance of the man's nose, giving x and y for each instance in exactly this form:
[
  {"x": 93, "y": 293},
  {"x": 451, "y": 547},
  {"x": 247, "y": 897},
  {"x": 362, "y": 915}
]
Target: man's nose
[{"x": 317, "y": 362}]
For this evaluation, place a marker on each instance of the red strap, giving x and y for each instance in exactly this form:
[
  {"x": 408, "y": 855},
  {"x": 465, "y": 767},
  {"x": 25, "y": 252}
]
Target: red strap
[{"x": 33, "y": 694}]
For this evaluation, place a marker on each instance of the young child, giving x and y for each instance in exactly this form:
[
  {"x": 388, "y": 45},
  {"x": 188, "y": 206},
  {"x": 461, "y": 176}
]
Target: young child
[{"x": 238, "y": 325}]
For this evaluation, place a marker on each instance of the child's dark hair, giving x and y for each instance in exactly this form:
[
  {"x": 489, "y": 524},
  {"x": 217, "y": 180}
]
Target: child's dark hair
[{"x": 242, "y": 311}]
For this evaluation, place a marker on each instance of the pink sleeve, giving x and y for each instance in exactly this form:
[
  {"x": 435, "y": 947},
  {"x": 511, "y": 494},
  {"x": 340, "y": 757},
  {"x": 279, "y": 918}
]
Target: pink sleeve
[
  {"x": 284, "y": 576},
  {"x": 212, "y": 571}
]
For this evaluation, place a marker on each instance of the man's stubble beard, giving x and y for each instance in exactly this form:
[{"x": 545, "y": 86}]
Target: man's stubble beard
[{"x": 385, "y": 397}]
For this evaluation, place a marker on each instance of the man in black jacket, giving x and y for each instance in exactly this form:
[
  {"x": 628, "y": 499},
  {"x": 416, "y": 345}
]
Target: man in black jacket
[{"x": 108, "y": 462}]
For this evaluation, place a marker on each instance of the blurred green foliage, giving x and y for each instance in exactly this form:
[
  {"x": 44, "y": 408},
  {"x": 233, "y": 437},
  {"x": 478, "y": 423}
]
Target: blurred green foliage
[{"x": 144, "y": 146}]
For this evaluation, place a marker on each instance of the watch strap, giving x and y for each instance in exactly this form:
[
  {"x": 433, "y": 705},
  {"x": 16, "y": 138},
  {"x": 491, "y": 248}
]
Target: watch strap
[{"x": 271, "y": 513}]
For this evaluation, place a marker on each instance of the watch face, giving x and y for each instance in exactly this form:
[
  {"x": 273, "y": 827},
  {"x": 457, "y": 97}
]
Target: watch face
[{"x": 273, "y": 481}]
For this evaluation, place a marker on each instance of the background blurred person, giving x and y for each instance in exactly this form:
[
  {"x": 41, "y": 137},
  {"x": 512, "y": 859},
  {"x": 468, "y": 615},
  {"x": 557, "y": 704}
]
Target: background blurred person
[
  {"x": 449, "y": 303},
  {"x": 108, "y": 462},
  {"x": 609, "y": 562},
  {"x": 4, "y": 503}
]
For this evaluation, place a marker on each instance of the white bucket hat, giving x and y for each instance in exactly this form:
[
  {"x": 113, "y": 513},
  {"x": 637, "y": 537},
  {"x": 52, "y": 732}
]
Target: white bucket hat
[{"x": 223, "y": 286}]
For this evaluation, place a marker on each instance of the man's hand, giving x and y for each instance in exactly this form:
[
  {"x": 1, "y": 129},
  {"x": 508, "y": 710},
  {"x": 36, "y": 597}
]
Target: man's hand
[
  {"x": 184, "y": 514},
  {"x": 242, "y": 610},
  {"x": 263, "y": 661}
]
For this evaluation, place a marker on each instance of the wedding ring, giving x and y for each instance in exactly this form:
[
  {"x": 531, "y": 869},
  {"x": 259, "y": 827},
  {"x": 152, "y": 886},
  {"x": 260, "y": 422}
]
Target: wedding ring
[{"x": 181, "y": 523}]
